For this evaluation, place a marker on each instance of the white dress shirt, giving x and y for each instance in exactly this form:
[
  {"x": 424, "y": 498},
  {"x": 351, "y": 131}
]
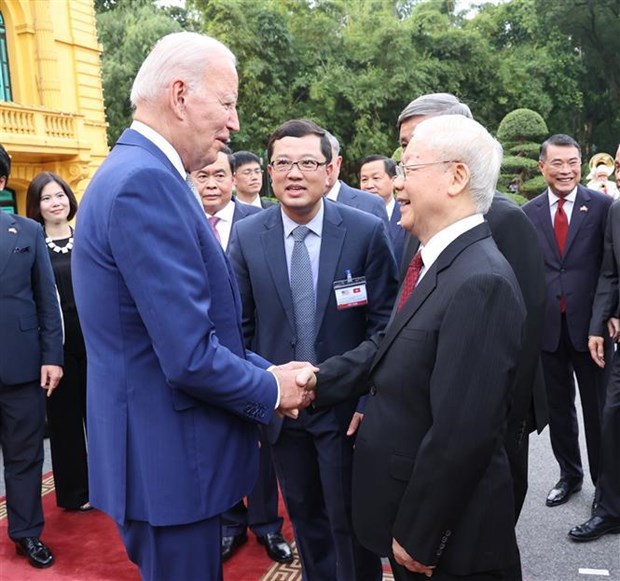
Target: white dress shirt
[
  {"x": 569, "y": 204},
  {"x": 225, "y": 222}
]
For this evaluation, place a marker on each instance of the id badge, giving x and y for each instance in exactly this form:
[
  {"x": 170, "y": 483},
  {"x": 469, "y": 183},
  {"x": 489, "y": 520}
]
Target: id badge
[{"x": 350, "y": 292}]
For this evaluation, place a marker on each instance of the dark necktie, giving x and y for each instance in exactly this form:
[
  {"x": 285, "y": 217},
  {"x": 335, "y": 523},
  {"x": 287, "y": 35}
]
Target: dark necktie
[
  {"x": 411, "y": 279},
  {"x": 302, "y": 290},
  {"x": 213, "y": 220},
  {"x": 560, "y": 225}
]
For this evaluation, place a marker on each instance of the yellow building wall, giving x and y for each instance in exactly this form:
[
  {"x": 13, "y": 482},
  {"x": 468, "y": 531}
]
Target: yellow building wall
[{"x": 56, "y": 121}]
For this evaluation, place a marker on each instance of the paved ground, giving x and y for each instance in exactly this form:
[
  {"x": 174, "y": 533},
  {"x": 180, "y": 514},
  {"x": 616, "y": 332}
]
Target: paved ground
[{"x": 546, "y": 552}]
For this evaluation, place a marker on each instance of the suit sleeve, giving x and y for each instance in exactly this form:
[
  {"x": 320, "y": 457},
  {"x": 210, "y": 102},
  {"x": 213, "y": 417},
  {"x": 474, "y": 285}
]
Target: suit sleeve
[
  {"x": 606, "y": 299},
  {"x": 173, "y": 246},
  {"x": 48, "y": 307},
  {"x": 477, "y": 343}
]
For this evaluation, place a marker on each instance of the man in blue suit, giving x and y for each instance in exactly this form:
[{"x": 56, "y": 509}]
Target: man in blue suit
[
  {"x": 377, "y": 173},
  {"x": 316, "y": 279},
  {"x": 173, "y": 395},
  {"x": 214, "y": 183},
  {"x": 570, "y": 222},
  {"x": 340, "y": 192},
  {"x": 30, "y": 359}
]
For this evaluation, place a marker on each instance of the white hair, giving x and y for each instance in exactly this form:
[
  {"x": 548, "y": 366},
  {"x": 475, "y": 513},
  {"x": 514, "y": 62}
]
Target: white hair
[
  {"x": 180, "y": 55},
  {"x": 333, "y": 142},
  {"x": 457, "y": 138}
]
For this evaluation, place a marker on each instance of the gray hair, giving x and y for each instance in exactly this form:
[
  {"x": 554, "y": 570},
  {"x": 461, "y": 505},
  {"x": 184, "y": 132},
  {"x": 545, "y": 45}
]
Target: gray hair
[
  {"x": 180, "y": 55},
  {"x": 458, "y": 138},
  {"x": 333, "y": 142},
  {"x": 434, "y": 104}
]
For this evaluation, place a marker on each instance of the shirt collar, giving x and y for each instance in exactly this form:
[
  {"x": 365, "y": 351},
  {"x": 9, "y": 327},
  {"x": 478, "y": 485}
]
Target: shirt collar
[
  {"x": 161, "y": 143},
  {"x": 226, "y": 213},
  {"x": 333, "y": 193},
  {"x": 315, "y": 225},
  {"x": 553, "y": 198}
]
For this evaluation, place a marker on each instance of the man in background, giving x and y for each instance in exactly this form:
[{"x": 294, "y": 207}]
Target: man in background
[
  {"x": 516, "y": 239},
  {"x": 31, "y": 357},
  {"x": 377, "y": 173},
  {"x": 214, "y": 183},
  {"x": 248, "y": 179},
  {"x": 570, "y": 222},
  {"x": 174, "y": 398}
]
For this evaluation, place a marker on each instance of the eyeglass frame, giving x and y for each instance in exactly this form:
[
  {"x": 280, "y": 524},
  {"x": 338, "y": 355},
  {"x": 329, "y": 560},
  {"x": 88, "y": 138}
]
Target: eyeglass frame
[
  {"x": 296, "y": 163},
  {"x": 402, "y": 170}
]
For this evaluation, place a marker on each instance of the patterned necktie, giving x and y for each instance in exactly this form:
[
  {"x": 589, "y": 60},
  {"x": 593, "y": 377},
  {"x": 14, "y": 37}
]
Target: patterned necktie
[
  {"x": 302, "y": 290},
  {"x": 560, "y": 228},
  {"x": 213, "y": 220},
  {"x": 560, "y": 225},
  {"x": 411, "y": 279}
]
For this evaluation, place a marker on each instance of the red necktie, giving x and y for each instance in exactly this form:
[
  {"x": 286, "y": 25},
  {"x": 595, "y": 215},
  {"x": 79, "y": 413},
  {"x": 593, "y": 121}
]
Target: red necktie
[
  {"x": 213, "y": 220},
  {"x": 560, "y": 225},
  {"x": 411, "y": 279}
]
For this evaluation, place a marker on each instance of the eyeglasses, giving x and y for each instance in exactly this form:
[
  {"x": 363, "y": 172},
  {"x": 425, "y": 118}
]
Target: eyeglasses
[
  {"x": 560, "y": 165},
  {"x": 248, "y": 172},
  {"x": 402, "y": 171},
  {"x": 202, "y": 178},
  {"x": 303, "y": 165}
]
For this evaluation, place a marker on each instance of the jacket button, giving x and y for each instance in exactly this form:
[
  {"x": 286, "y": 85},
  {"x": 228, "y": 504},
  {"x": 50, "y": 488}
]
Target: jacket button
[{"x": 373, "y": 389}]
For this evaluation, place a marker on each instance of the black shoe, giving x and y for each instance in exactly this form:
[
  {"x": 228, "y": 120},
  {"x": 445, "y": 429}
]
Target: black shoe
[
  {"x": 37, "y": 553},
  {"x": 231, "y": 544},
  {"x": 595, "y": 528},
  {"x": 277, "y": 548},
  {"x": 562, "y": 491}
]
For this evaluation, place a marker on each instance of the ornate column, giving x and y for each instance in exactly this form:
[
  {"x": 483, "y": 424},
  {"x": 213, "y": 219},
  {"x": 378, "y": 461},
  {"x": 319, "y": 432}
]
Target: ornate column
[{"x": 46, "y": 56}]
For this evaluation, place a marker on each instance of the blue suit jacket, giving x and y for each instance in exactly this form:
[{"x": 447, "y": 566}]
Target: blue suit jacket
[
  {"x": 173, "y": 396},
  {"x": 30, "y": 323},
  {"x": 397, "y": 234},
  {"x": 351, "y": 241},
  {"x": 574, "y": 274},
  {"x": 241, "y": 211}
]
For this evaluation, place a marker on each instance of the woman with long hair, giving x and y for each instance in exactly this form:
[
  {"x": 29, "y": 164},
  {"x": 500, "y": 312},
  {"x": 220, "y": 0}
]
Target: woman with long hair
[{"x": 51, "y": 202}]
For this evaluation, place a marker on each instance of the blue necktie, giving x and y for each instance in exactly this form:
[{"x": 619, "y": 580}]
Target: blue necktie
[{"x": 302, "y": 290}]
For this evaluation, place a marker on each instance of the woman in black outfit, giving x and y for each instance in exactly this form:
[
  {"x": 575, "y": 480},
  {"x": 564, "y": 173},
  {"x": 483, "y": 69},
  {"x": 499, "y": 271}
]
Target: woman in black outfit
[{"x": 51, "y": 202}]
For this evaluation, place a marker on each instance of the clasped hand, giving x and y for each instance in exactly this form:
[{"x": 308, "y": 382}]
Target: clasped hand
[{"x": 297, "y": 381}]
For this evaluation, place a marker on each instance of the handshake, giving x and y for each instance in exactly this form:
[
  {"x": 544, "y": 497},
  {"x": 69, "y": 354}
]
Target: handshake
[{"x": 297, "y": 381}]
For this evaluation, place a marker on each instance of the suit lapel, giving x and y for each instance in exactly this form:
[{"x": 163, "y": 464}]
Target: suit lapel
[
  {"x": 332, "y": 241},
  {"x": 580, "y": 211},
  {"x": 427, "y": 285},
  {"x": 9, "y": 233},
  {"x": 272, "y": 240}
]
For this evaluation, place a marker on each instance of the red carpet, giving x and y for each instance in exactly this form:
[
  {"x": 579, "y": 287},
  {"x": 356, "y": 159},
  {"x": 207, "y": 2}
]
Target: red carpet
[{"x": 87, "y": 547}]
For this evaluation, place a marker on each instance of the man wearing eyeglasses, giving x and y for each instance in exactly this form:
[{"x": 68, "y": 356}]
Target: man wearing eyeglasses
[
  {"x": 316, "y": 279},
  {"x": 432, "y": 488},
  {"x": 248, "y": 179},
  {"x": 570, "y": 221}
]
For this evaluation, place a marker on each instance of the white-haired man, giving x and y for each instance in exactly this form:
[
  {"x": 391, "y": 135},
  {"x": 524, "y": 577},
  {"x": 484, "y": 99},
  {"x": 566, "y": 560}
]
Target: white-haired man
[
  {"x": 432, "y": 487},
  {"x": 173, "y": 396}
]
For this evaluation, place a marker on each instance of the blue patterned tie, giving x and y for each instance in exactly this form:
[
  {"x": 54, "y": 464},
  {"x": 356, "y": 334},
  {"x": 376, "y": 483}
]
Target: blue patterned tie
[{"x": 302, "y": 289}]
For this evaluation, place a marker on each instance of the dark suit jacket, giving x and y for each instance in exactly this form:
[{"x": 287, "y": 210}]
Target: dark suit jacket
[
  {"x": 516, "y": 239},
  {"x": 574, "y": 274},
  {"x": 173, "y": 395},
  {"x": 397, "y": 235},
  {"x": 362, "y": 201},
  {"x": 351, "y": 240},
  {"x": 606, "y": 303},
  {"x": 430, "y": 467},
  {"x": 241, "y": 211},
  {"x": 30, "y": 323}
]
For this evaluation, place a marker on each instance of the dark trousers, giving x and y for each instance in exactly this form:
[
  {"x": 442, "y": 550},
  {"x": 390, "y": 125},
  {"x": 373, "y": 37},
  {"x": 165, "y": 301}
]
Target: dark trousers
[
  {"x": 558, "y": 367},
  {"x": 66, "y": 418},
  {"x": 22, "y": 426},
  {"x": 185, "y": 552},
  {"x": 608, "y": 485},
  {"x": 510, "y": 574},
  {"x": 313, "y": 459},
  {"x": 261, "y": 514}
]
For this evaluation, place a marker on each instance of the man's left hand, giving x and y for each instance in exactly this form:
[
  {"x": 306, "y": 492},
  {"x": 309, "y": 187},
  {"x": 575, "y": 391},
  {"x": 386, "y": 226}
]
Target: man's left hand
[
  {"x": 403, "y": 558},
  {"x": 50, "y": 377}
]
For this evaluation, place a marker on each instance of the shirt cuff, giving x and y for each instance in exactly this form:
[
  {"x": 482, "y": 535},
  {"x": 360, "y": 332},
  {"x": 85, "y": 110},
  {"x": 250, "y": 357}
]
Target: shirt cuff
[{"x": 270, "y": 369}]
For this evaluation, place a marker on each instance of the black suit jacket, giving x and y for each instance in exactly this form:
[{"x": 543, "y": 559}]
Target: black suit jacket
[
  {"x": 362, "y": 200},
  {"x": 430, "y": 467},
  {"x": 516, "y": 239},
  {"x": 30, "y": 323},
  {"x": 241, "y": 211},
  {"x": 606, "y": 303}
]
